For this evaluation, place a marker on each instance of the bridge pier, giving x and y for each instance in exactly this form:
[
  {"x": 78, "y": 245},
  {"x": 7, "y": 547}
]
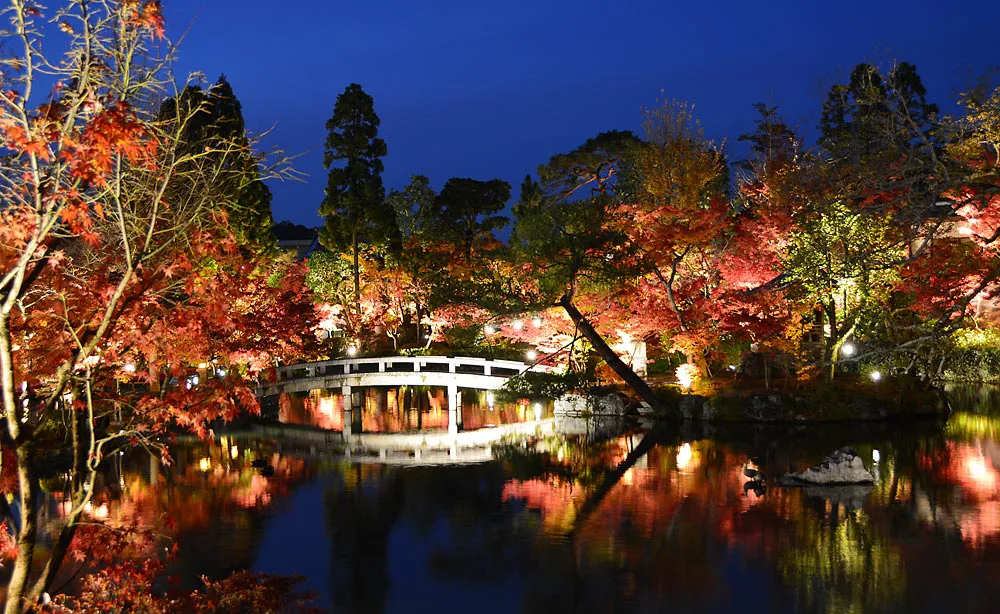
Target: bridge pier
[
  {"x": 454, "y": 409},
  {"x": 345, "y": 391}
]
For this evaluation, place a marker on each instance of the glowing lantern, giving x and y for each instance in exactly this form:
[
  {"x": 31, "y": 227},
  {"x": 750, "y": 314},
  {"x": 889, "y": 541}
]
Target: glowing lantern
[{"x": 686, "y": 374}]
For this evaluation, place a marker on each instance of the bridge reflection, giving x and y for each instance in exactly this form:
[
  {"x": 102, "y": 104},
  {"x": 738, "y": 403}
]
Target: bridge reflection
[{"x": 403, "y": 409}]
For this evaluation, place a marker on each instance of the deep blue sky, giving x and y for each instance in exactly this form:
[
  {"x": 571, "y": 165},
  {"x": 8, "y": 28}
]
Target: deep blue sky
[{"x": 467, "y": 88}]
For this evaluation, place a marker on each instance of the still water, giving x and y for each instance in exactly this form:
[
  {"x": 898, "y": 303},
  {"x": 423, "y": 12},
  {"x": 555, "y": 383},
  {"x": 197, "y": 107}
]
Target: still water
[{"x": 638, "y": 521}]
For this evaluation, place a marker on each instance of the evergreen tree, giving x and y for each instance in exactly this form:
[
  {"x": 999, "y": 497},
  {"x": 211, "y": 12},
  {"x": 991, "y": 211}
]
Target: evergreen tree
[
  {"x": 216, "y": 128},
  {"x": 355, "y": 207},
  {"x": 527, "y": 204},
  {"x": 875, "y": 118},
  {"x": 466, "y": 209},
  {"x": 413, "y": 207},
  {"x": 773, "y": 145},
  {"x": 884, "y": 145}
]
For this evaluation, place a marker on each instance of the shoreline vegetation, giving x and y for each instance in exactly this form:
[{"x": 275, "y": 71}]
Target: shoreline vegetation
[{"x": 845, "y": 399}]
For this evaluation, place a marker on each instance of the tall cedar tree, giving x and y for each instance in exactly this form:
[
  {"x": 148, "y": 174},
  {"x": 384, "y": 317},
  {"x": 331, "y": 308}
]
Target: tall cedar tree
[
  {"x": 355, "y": 207},
  {"x": 216, "y": 124}
]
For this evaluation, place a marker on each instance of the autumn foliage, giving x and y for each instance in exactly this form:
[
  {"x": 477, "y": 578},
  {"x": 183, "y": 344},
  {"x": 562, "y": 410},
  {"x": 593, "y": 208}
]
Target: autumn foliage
[{"x": 119, "y": 270}]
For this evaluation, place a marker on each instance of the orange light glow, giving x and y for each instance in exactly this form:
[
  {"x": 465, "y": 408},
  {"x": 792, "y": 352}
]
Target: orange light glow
[{"x": 981, "y": 473}]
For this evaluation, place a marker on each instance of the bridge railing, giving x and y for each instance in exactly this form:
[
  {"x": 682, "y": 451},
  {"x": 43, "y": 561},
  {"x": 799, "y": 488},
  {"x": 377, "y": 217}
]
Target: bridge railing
[{"x": 407, "y": 364}]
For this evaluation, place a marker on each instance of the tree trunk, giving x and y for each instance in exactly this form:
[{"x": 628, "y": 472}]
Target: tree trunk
[
  {"x": 829, "y": 358},
  {"x": 357, "y": 283},
  {"x": 417, "y": 315},
  {"x": 636, "y": 383},
  {"x": 59, "y": 549},
  {"x": 26, "y": 537},
  {"x": 82, "y": 489}
]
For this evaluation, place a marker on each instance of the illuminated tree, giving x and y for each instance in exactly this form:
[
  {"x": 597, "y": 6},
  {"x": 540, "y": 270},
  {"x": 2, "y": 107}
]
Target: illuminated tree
[{"x": 117, "y": 256}]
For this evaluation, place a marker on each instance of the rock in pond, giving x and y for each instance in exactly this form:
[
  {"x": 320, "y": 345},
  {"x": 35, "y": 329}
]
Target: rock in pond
[{"x": 843, "y": 467}]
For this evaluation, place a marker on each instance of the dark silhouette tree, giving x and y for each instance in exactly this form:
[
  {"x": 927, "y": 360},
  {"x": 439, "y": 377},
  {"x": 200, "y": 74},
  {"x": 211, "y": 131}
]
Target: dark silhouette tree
[
  {"x": 413, "y": 207},
  {"x": 773, "y": 145},
  {"x": 874, "y": 119},
  {"x": 466, "y": 209},
  {"x": 214, "y": 122},
  {"x": 526, "y": 205}
]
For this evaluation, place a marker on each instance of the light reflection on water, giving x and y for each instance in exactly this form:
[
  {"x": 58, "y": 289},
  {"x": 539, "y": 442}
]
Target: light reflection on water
[
  {"x": 605, "y": 525},
  {"x": 401, "y": 409}
]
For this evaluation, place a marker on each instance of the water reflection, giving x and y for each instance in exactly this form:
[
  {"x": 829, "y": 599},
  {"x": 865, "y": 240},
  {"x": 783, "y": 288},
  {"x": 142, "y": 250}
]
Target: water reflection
[
  {"x": 661, "y": 521},
  {"x": 319, "y": 408},
  {"x": 401, "y": 409}
]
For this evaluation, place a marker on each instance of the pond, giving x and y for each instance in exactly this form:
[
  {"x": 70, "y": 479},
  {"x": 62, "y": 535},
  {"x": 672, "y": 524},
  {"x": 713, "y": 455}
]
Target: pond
[{"x": 637, "y": 521}]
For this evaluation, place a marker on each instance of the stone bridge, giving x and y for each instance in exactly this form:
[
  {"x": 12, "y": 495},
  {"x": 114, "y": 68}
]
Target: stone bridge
[{"x": 450, "y": 372}]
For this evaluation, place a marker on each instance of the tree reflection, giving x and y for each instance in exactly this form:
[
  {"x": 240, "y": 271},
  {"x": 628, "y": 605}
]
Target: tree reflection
[
  {"x": 671, "y": 528},
  {"x": 642, "y": 521}
]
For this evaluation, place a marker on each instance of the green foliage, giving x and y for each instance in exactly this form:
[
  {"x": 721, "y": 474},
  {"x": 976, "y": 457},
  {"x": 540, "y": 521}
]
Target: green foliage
[
  {"x": 975, "y": 356},
  {"x": 551, "y": 385},
  {"x": 568, "y": 242},
  {"x": 847, "y": 263},
  {"x": 329, "y": 276},
  {"x": 977, "y": 339},
  {"x": 561, "y": 223},
  {"x": 838, "y": 251},
  {"x": 590, "y": 167},
  {"x": 728, "y": 350},
  {"x": 414, "y": 207}
]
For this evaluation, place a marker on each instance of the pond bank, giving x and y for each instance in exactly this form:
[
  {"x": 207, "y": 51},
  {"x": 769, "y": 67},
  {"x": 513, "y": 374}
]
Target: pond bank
[{"x": 843, "y": 400}]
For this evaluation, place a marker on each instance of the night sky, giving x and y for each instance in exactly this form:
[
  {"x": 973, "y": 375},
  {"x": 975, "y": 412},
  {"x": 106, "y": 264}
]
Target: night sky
[{"x": 467, "y": 88}]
